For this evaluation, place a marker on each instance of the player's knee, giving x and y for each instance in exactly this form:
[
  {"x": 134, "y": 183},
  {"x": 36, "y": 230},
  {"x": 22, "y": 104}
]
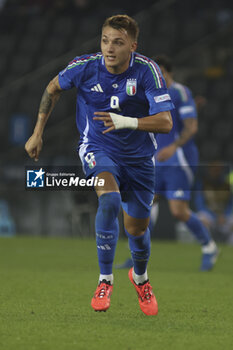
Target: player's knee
[
  {"x": 139, "y": 244},
  {"x": 109, "y": 204},
  {"x": 138, "y": 230},
  {"x": 179, "y": 214}
]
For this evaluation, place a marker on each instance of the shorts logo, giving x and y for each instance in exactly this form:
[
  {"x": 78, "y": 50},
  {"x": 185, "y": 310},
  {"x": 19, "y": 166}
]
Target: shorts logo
[
  {"x": 90, "y": 159},
  {"x": 35, "y": 178},
  {"x": 131, "y": 87},
  {"x": 179, "y": 193}
]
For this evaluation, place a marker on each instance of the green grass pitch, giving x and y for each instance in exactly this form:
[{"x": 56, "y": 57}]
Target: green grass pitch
[{"x": 46, "y": 287}]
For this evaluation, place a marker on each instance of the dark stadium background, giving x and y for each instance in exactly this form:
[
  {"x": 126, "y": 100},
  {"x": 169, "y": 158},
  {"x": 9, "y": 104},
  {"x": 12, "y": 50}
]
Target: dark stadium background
[{"x": 38, "y": 38}]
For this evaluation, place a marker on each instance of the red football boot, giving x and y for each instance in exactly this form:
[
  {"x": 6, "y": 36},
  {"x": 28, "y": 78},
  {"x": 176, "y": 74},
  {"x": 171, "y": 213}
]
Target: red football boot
[
  {"x": 146, "y": 298},
  {"x": 101, "y": 298}
]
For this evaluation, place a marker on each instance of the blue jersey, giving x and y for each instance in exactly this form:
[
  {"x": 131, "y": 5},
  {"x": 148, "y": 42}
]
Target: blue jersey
[
  {"x": 138, "y": 92},
  {"x": 184, "y": 108}
]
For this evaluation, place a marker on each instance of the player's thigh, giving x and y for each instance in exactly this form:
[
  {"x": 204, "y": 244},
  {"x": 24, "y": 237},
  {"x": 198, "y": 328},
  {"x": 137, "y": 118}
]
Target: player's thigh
[
  {"x": 108, "y": 184},
  {"x": 178, "y": 184},
  {"x": 135, "y": 226},
  {"x": 179, "y": 209},
  {"x": 137, "y": 197},
  {"x": 99, "y": 164}
]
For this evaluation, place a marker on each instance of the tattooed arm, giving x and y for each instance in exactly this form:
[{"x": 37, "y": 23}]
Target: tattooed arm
[{"x": 50, "y": 97}]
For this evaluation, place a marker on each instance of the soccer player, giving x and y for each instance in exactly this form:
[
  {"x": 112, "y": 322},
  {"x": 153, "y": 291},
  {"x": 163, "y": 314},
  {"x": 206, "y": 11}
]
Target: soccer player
[
  {"x": 177, "y": 159},
  {"x": 122, "y": 101}
]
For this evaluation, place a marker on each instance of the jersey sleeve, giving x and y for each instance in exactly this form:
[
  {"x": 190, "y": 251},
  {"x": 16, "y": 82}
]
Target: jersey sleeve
[
  {"x": 156, "y": 90},
  {"x": 187, "y": 107},
  {"x": 71, "y": 76}
]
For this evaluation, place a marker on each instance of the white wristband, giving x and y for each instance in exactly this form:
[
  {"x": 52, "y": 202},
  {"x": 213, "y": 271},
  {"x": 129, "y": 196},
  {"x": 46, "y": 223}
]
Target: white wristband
[{"x": 123, "y": 122}]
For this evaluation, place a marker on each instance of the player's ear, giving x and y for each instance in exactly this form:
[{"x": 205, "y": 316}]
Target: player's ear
[{"x": 134, "y": 46}]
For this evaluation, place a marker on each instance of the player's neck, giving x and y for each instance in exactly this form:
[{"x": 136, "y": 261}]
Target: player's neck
[{"x": 118, "y": 69}]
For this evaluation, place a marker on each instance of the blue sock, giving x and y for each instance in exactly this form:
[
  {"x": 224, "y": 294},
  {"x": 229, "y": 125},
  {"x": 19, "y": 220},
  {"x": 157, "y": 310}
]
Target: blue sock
[
  {"x": 140, "y": 251},
  {"x": 198, "y": 229},
  {"x": 107, "y": 230}
]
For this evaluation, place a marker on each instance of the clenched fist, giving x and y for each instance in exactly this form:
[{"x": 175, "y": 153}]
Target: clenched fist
[{"x": 33, "y": 146}]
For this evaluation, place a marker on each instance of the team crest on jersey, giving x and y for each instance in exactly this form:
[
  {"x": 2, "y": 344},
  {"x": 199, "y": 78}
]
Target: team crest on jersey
[
  {"x": 90, "y": 159},
  {"x": 131, "y": 87}
]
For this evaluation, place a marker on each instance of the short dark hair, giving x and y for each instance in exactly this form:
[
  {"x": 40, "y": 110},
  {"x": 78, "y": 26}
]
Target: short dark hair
[
  {"x": 123, "y": 22},
  {"x": 165, "y": 61}
]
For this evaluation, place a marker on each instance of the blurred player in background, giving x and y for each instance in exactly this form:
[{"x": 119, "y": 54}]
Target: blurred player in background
[
  {"x": 122, "y": 101},
  {"x": 214, "y": 201},
  {"x": 176, "y": 161}
]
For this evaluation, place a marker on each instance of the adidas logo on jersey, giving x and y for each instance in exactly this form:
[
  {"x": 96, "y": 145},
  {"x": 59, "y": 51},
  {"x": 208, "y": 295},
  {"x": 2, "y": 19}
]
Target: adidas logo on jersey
[{"x": 97, "y": 88}]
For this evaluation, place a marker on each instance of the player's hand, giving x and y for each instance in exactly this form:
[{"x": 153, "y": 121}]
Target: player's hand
[
  {"x": 116, "y": 121},
  {"x": 33, "y": 146},
  {"x": 106, "y": 118},
  {"x": 166, "y": 153}
]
